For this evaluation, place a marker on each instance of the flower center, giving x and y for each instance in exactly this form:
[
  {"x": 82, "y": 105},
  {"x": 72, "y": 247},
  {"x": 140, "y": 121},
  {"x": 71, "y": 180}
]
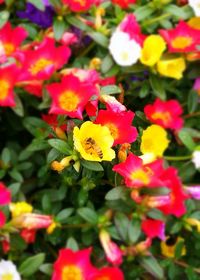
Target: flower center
[
  {"x": 39, "y": 66},
  {"x": 7, "y": 276},
  {"x": 91, "y": 147},
  {"x": 113, "y": 130},
  {"x": 81, "y": 2},
  {"x": 68, "y": 101},
  {"x": 4, "y": 87},
  {"x": 181, "y": 42},
  {"x": 164, "y": 116},
  {"x": 140, "y": 175},
  {"x": 8, "y": 48},
  {"x": 72, "y": 272},
  {"x": 124, "y": 56}
]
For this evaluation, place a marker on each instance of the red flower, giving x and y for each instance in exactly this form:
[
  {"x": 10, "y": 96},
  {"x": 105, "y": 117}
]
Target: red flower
[
  {"x": 70, "y": 96},
  {"x": 28, "y": 235},
  {"x": 154, "y": 228},
  {"x": 182, "y": 38},
  {"x": 130, "y": 26},
  {"x": 79, "y": 5},
  {"x": 43, "y": 61},
  {"x": 8, "y": 78},
  {"x": 124, "y": 4},
  {"x": 119, "y": 124},
  {"x": 11, "y": 39},
  {"x": 177, "y": 196},
  {"x": 138, "y": 175},
  {"x": 73, "y": 265},
  {"x": 2, "y": 219},
  {"x": 165, "y": 113},
  {"x": 108, "y": 273},
  {"x": 5, "y": 195}
]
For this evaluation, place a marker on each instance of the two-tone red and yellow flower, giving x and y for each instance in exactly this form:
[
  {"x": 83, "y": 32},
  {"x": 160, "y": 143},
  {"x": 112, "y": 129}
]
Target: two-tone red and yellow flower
[
  {"x": 73, "y": 265},
  {"x": 79, "y": 5},
  {"x": 119, "y": 124},
  {"x": 70, "y": 96},
  {"x": 40, "y": 63},
  {"x": 136, "y": 174},
  {"x": 11, "y": 39},
  {"x": 165, "y": 113},
  {"x": 182, "y": 38},
  {"x": 8, "y": 78}
]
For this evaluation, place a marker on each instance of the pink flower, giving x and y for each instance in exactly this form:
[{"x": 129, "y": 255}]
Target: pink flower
[
  {"x": 32, "y": 221},
  {"x": 112, "y": 251},
  {"x": 193, "y": 191}
]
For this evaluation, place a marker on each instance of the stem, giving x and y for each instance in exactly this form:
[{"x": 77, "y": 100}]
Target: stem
[
  {"x": 178, "y": 158},
  {"x": 77, "y": 226},
  {"x": 156, "y": 19},
  {"x": 191, "y": 115}
]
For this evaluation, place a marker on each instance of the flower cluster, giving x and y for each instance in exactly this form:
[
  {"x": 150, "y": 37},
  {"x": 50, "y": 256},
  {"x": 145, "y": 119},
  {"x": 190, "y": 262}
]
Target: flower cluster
[{"x": 100, "y": 152}]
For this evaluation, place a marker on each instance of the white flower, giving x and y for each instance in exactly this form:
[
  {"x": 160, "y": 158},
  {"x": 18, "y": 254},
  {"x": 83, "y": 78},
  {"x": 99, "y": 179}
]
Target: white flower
[
  {"x": 125, "y": 52},
  {"x": 196, "y": 159},
  {"x": 195, "y": 5},
  {"x": 8, "y": 271}
]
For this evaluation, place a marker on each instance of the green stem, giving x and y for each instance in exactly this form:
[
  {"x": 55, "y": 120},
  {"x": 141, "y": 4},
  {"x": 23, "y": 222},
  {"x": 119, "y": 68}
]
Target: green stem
[
  {"x": 191, "y": 115},
  {"x": 156, "y": 19},
  {"x": 77, "y": 226},
  {"x": 179, "y": 158}
]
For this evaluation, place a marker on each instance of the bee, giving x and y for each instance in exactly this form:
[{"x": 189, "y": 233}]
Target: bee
[{"x": 92, "y": 148}]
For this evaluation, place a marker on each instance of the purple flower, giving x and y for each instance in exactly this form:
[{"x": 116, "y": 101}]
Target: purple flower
[{"x": 42, "y": 18}]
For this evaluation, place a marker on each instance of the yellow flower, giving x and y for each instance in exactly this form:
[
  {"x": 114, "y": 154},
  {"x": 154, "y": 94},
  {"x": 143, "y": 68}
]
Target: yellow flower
[
  {"x": 20, "y": 208},
  {"x": 94, "y": 142},
  {"x": 194, "y": 22},
  {"x": 52, "y": 227},
  {"x": 154, "y": 140},
  {"x": 168, "y": 247},
  {"x": 154, "y": 46},
  {"x": 172, "y": 67},
  {"x": 193, "y": 222}
]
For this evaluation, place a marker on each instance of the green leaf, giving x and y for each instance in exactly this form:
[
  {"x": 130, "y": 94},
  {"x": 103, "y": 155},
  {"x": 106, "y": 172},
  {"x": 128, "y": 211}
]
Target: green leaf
[
  {"x": 15, "y": 187},
  {"x": 176, "y": 11},
  {"x": 14, "y": 173},
  {"x": 143, "y": 12},
  {"x": 115, "y": 193},
  {"x": 122, "y": 223},
  {"x": 152, "y": 266},
  {"x": 99, "y": 38},
  {"x": 4, "y": 16},
  {"x": 157, "y": 86},
  {"x": 156, "y": 214},
  {"x": 5, "y": 156},
  {"x": 107, "y": 63},
  {"x": 60, "y": 145},
  {"x": 92, "y": 165},
  {"x": 186, "y": 139},
  {"x": 134, "y": 230},
  {"x": 37, "y": 145},
  {"x": 52, "y": 155},
  {"x": 59, "y": 27},
  {"x": 39, "y": 4},
  {"x": 18, "y": 109},
  {"x": 31, "y": 265},
  {"x": 192, "y": 101},
  {"x": 72, "y": 244},
  {"x": 46, "y": 268},
  {"x": 179, "y": 249},
  {"x": 88, "y": 214},
  {"x": 111, "y": 89},
  {"x": 78, "y": 23},
  {"x": 64, "y": 214}
]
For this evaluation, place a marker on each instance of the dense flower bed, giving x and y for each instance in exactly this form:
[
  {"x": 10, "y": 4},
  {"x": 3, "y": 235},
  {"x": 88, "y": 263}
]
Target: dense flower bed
[{"x": 100, "y": 140}]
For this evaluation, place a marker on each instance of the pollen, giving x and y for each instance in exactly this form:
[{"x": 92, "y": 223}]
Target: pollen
[
  {"x": 164, "y": 116},
  {"x": 181, "y": 42},
  {"x": 8, "y": 48},
  {"x": 7, "y": 276},
  {"x": 141, "y": 176},
  {"x": 4, "y": 88},
  {"x": 39, "y": 65},
  {"x": 72, "y": 272},
  {"x": 68, "y": 101}
]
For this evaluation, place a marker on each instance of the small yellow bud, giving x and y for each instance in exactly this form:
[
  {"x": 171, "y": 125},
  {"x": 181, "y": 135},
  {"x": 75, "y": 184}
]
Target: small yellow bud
[
  {"x": 57, "y": 166},
  {"x": 95, "y": 63},
  {"x": 20, "y": 208},
  {"x": 60, "y": 133}
]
